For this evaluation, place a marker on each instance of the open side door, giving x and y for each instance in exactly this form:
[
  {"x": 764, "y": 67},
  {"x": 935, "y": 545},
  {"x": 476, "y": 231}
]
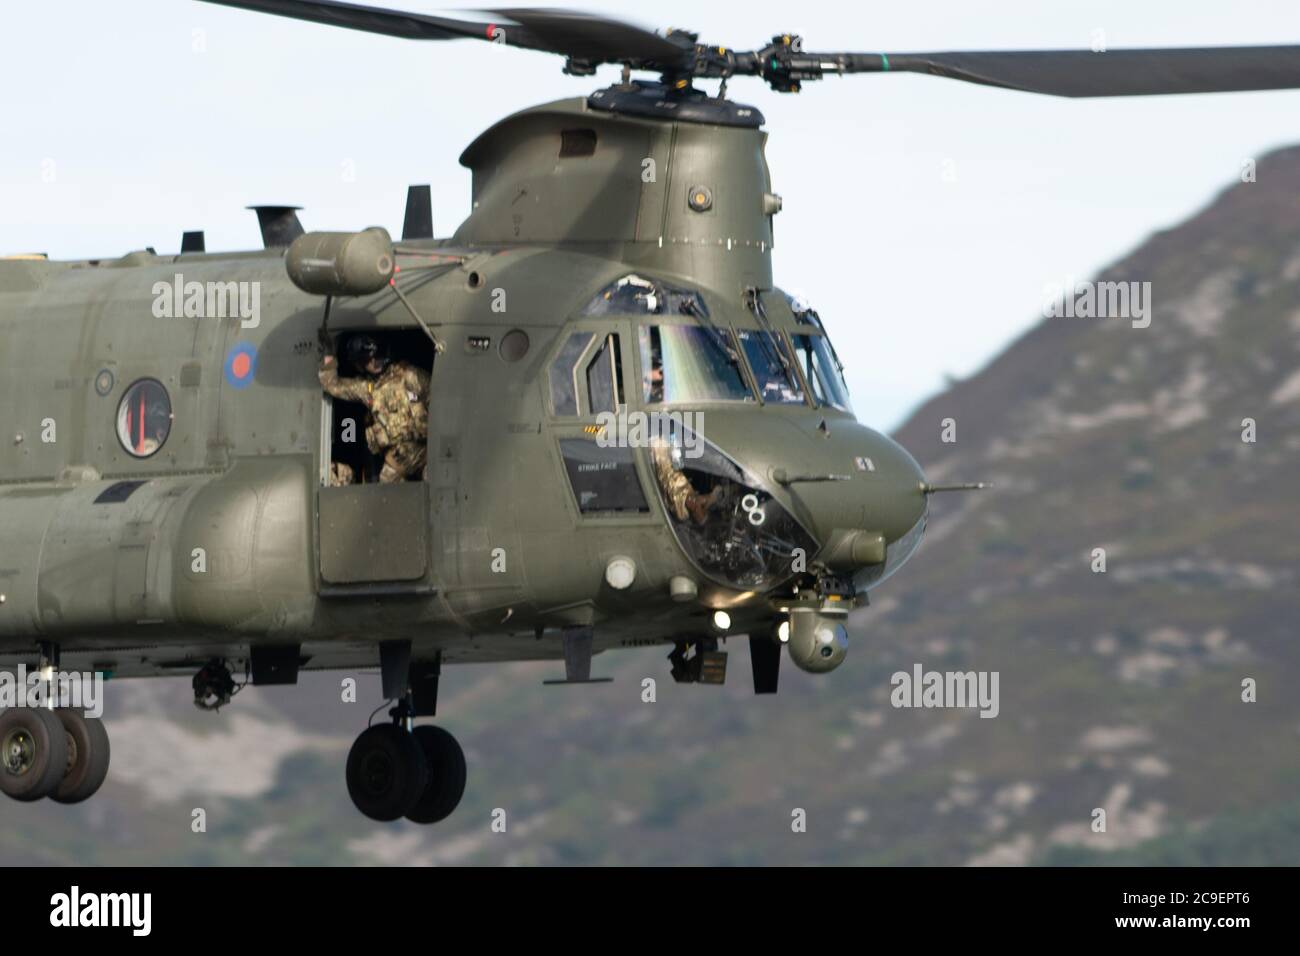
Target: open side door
[{"x": 370, "y": 532}]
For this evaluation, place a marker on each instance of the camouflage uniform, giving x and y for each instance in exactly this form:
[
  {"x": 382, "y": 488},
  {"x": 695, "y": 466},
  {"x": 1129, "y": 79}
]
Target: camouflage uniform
[
  {"x": 675, "y": 486},
  {"x": 398, "y": 423},
  {"x": 341, "y": 474},
  {"x": 683, "y": 499}
]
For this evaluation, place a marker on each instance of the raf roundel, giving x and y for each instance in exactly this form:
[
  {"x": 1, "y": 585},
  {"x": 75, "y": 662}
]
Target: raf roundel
[{"x": 241, "y": 364}]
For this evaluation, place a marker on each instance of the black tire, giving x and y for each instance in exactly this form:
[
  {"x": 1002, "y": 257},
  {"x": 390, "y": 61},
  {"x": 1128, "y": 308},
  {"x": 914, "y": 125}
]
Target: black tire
[
  {"x": 87, "y": 757},
  {"x": 447, "y": 774},
  {"x": 386, "y": 772},
  {"x": 33, "y": 753}
]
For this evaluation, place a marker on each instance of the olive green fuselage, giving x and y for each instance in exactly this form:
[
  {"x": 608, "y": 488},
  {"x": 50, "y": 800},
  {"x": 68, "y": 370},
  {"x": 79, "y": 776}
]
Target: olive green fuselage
[{"x": 213, "y": 542}]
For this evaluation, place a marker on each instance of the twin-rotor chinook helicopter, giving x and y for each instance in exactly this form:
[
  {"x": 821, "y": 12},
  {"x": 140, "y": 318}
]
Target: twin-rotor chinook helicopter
[{"x": 634, "y": 437}]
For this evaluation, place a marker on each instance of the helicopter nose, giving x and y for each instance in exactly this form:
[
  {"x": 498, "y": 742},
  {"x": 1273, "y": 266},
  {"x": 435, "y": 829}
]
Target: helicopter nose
[
  {"x": 885, "y": 514},
  {"x": 890, "y": 487},
  {"x": 862, "y": 490}
]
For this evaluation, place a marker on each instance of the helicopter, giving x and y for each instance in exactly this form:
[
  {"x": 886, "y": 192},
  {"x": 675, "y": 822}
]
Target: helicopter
[{"x": 634, "y": 437}]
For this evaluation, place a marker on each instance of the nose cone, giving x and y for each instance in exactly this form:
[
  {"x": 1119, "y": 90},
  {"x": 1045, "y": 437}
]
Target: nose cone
[
  {"x": 880, "y": 492},
  {"x": 880, "y": 487},
  {"x": 890, "y": 489}
]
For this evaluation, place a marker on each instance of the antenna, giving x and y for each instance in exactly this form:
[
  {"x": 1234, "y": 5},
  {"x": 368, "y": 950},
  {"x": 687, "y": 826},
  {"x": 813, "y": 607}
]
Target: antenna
[
  {"x": 418, "y": 223},
  {"x": 279, "y": 224},
  {"x": 929, "y": 489}
]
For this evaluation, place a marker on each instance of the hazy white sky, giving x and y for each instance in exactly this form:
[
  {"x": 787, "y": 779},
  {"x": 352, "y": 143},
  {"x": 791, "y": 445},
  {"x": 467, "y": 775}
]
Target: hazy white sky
[{"x": 923, "y": 217}]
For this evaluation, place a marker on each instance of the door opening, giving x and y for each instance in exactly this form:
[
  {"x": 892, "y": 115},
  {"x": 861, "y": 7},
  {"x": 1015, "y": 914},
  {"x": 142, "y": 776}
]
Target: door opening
[
  {"x": 378, "y": 408},
  {"x": 372, "y": 508}
]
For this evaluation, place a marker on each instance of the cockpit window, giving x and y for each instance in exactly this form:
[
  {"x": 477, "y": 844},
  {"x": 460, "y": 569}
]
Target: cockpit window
[
  {"x": 773, "y": 370},
  {"x": 637, "y": 295},
  {"x": 689, "y": 363},
  {"x": 822, "y": 370},
  {"x": 564, "y": 385},
  {"x": 733, "y": 530},
  {"x": 605, "y": 378}
]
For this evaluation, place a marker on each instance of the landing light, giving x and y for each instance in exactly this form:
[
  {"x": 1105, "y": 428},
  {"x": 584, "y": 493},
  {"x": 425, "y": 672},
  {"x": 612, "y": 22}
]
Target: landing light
[
  {"x": 721, "y": 620},
  {"x": 620, "y": 572},
  {"x": 783, "y": 632}
]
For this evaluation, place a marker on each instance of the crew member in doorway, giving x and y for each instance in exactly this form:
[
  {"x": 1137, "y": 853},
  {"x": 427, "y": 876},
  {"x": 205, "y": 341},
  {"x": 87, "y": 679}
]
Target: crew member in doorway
[{"x": 396, "y": 397}]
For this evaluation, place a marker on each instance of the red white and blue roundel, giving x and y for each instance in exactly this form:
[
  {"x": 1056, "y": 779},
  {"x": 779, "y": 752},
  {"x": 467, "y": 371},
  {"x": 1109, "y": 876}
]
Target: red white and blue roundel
[{"x": 241, "y": 364}]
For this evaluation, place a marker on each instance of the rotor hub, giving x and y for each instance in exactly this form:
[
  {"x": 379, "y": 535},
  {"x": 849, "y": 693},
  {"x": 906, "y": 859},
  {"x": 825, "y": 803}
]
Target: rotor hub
[{"x": 683, "y": 104}]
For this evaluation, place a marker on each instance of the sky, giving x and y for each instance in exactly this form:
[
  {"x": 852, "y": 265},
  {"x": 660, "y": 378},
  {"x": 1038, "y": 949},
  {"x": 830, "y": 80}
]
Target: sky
[{"x": 923, "y": 217}]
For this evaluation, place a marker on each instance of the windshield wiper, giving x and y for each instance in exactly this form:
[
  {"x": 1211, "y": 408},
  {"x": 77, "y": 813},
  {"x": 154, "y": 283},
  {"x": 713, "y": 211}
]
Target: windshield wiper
[
  {"x": 755, "y": 303},
  {"x": 719, "y": 336}
]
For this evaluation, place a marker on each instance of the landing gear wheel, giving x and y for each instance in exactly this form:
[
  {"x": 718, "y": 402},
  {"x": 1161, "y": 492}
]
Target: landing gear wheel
[
  {"x": 87, "y": 764},
  {"x": 446, "y": 762},
  {"x": 386, "y": 772},
  {"x": 33, "y": 753}
]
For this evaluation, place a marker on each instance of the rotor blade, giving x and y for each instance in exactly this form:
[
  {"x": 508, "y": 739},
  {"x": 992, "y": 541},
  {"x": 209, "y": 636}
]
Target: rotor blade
[
  {"x": 593, "y": 40},
  {"x": 354, "y": 16},
  {"x": 1084, "y": 73},
  {"x": 570, "y": 34},
  {"x": 587, "y": 37}
]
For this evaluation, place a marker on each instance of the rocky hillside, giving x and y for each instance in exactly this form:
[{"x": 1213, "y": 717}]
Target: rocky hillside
[{"x": 1119, "y": 690}]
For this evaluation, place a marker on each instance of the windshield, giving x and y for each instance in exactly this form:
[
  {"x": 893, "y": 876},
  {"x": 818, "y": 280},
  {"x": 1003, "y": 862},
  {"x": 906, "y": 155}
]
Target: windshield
[
  {"x": 687, "y": 363},
  {"x": 822, "y": 370},
  {"x": 773, "y": 371}
]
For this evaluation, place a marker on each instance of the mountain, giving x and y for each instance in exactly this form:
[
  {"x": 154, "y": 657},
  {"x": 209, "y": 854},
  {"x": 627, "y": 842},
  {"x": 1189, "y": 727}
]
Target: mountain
[{"x": 1120, "y": 689}]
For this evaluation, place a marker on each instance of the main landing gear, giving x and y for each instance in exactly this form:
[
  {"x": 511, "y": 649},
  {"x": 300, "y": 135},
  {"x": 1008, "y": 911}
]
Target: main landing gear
[
  {"x": 397, "y": 770},
  {"x": 417, "y": 773},
  {"x": 58, "y": 752},
  {"x": 61, "y": 754}
]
